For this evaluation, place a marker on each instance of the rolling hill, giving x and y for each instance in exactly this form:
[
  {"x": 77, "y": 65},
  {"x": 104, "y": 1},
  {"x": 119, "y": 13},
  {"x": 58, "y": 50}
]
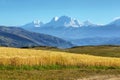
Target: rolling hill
[
  {"x": 18, "y": 37},
  {"x": 103, "y": 50}
]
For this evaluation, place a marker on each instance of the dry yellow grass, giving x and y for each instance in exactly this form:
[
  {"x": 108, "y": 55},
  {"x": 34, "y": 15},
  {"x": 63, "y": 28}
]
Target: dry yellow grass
[{"x": 14, "y": 56}]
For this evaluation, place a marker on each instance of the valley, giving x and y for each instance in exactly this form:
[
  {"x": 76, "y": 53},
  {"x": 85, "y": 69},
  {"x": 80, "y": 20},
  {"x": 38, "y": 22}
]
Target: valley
[
  {"x": 67, "y": 52},
  {"x": 59, "y": 39}
]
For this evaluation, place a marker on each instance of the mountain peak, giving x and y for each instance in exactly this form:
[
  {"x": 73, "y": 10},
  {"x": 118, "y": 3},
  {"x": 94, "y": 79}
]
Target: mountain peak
[
  {"x": 37, "y": 23},
  {"x": 64, "y": 21},
  {"x": 61, "y": 19},
  {"x": 117, "y": 18},
  {"x": 116, "y": 21},
  {"x": 89, "y": 23},
  {"x": 55, "y": 18},
  {"x": 33, "y": 24}
]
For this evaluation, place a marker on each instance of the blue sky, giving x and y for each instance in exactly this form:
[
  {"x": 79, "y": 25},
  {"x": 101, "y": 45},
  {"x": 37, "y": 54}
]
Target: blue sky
[{"x": 19, "y": 12}]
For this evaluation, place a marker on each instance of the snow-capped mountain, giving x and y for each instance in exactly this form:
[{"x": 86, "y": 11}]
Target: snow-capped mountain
[
  {"x": 88, "y": 23},
  {"x": 37, "y": 23},
  {"x": 33, "y": 24},
  {"x": 69, "y": 28},
  {"x": 63, "y": 21},
  {"x": 115, "y": 22}
]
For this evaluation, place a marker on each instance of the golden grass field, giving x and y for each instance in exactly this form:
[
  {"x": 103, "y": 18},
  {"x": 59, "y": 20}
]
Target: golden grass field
[{"x": 18, "y": 57}]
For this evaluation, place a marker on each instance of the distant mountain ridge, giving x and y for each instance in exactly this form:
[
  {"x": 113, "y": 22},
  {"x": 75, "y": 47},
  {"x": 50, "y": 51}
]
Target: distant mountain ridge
[
  {"x": 18, "y": 37},
  {"x": 63, "y": 21},
  {"x": 73, "y": 30},
  {"x": 69, "y": 28}
]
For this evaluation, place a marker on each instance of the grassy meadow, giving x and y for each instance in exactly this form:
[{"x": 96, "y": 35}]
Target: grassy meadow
[
  {"x": 54, "y": 64},
  {"x": 103, "y": 50},
  {"x": 29, "y": 57}
]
